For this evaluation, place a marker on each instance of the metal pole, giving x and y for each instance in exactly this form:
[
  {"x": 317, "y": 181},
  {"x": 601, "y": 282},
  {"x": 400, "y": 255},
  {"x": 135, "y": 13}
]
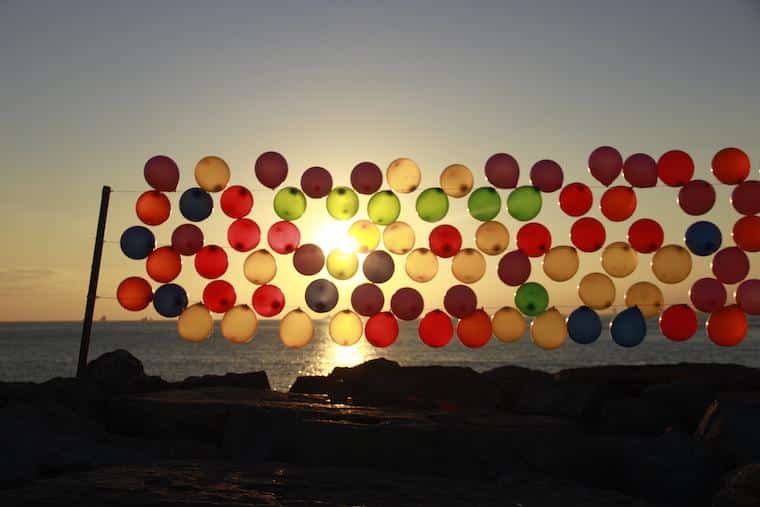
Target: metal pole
[{"x": 97, "y": 253}]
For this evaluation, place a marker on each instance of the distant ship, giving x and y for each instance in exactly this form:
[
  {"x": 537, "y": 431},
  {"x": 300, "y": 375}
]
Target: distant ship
[{"x": 102, "y": 318}]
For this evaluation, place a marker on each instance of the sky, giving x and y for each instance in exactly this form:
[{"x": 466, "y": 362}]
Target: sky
[{"x": 90, "y": 90}]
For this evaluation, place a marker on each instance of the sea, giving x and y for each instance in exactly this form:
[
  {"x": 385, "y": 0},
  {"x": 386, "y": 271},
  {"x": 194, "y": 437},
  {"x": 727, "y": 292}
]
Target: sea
[{"x": 37, "y": 351}]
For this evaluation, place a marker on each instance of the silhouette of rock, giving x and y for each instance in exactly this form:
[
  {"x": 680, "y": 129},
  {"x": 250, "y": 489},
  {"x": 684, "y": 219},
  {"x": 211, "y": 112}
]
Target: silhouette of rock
[
  {"x": 251, "y": 380},
  {"x": 119, "y": 372}
]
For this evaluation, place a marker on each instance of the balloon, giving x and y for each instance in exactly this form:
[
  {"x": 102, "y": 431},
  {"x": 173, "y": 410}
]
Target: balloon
[
  {"x": 605, "y": 164},
  {"x": 584, "y": 325},
  {"x": 432, "y": 204},
  {"x": 647, "y": 296},
  {"x": 195, "y": 323},
  {"x": 366, "y": 178},
  {"x": 640, "y": 170},
  {"x": 675, "y": 168},
  {"x": 618, "y": 203},
  {"x": 468, "y": 266},
  {"x": 534, "y": 239},
  {"x": 744, "y": 197},
  {"x": 134, "y": 293},
  {"x": 407, "y": 303},
  {"x": 460, "y": 301},
  {"x": 421, "y": 265},
  {"x": 212, "y": 174},
  {"x": 546, "y": 175},
  {"x": 492, "y": 238},
  {"x": 308, "y": 259},
  {"x": 239, "y": 324},
  {"x": 588, "y": 234},
  {"x": 727, "y": 327},
  {"x": 296, "y": 329},
  {"x": 271, "y": 169},
  {"x": 211, "y": 261},
  {"x": 597, "y": 291},
  {"x": 703, "y": 238},
  {"x": 484, "y": 204},
  {"x": 283, "y": 237},
  {"x": 514, "y": 268},
  {"x": 671, "y": 264},
  {"x": 367, "y": 299},
  {"x": 137, "y": 242},
  {"x": 169, "y": 300},
  {"x": 502, "y": 170},
  {"x": 161, "y": 173},
  {"x": 708, "y": 295},
  {"x": 576, "y": 199},
  {"x": 398, "y": 238},
  {"x": 645, "y": 235},
  {"x": 321, "y": 295},
  {"x": 731, "y": 166},
  {"x": 697, "y": 197},
  {"x": 524, "y": 203},
  {"x": 187, "y": 239},
  {"x": 384, "y": 208},
  {"x": 342, "y": 203},
  {"x": 345, "y": 328},
  {"x": 378, "y": 266},
  {"x": 366, "y": 234},
  {"x": 342, "y": 265},
  {"x": 435, "y": 329},
  {"x": 456, "y": 180},
  {"x": 548, "y": 330},
  {"x": 163, "y": 264},
  {"x": 747, "y": 296},
  {"x": 244, "y": 235},
  {"x": 619, "y": 259},
  {"x": 678, "y": 323},
  {"x": 628, "y": 328},
  {"x": 475, "y": 330},
  {"x": 381, "y": 330},
  {"x": 561, "y": 263},
  {"x": 403, "y": 175},
  {"x": 153, "y": 207},
  {"x": 316, "y": 182},
  {"x": 508, "y": 324},
  {"x": 290, "y": 203},
  {"x": 445, "y": 241},
  {"x": 730, "y": 265},
  {"x": 268, "y": 300},
  {"x": 219, "y": 296},
  {"x": 746, "y": 233},
  {"x": 196, "y": 204},
  {"x": 259, "y": 267},
  {"x": 531, "y": 298},
  {"x": 236, "y": 201}
]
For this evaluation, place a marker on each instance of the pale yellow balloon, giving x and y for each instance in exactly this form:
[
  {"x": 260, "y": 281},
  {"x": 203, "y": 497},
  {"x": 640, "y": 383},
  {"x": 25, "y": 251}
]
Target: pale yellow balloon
[
  {"x": 647, "y": 296},
  {"x": 398, "y": 238},
  {"x": 342, "y": 265},
  {"x": 421, "y": 265},
  {"x": 671, "y": 264},
  {"x": 561, "y": 263},
  {"x": 212, "y": 174},
  {"x": 239, "y": 324},
  {"x": 296, "y": 329},
  {"x": 597, "y": 290},
  {"x": 195, "y": 323},
  {"x": 345, "y": 328},
  {"x": 468, "y": 265},
  {"x": 508, "y": 324},
  {"x": 366, "y": 234},
  {"x": 260, "y": 267},
  {"x": 403, "y": 175},
  {"x": 548, "y": 330},
  {"x": 492, "y": 238},
  {"x": 619, "y": 259},
  {"x": 456, "y": 180}
]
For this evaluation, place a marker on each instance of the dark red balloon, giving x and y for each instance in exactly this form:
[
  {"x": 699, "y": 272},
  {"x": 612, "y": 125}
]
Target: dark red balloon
[
  {"x": 153, "y": 207},
  {"x": 316, "y": 182},
  {"x": 187, "y": 239},
  {"x": 697, "y": 197},
  {"x": 460, "y": 301},
  {"x": 675, "y": 168},
  {"x": 731, "y": 166},
  {"x": 747, "y": 296},
  {"x": 502, "y": 170},
  {"x": 366, "y": 178},
  {"x": 514, "y": 268},
  {"x": 727, "y": 327},
  {"x": 381, "y": 329},
  {"x": 435, "y": 329},
  {"x": 445, "y": 240},
  {"x": 744, "y": 197},
  {"x": 746, "y": 233},
  {"x": 678, "y": 323},
  {"x": 640, "y": 170},
  {"x": 605, "y": 164},
  {"x": 211, "y": 261},
  {"x": 308, "y": 259},
  {"x": 546, "y": 175},
  {"x": 475, "y": 330},
  {"x": 219, "y": 296},
  {"x": 283, "y": 237},
  {"x": 236, "y": 201},
  {"x": 161, "y": 173},
  {"x": 367, "y": 299},
  {"x": 618, "y": 203},
  {"x": 534, "y": 239},
  {"x": 271, "y": 169},
  {"x": 730, "y": 265},
  {"x": 378, "y": 266},
  {"x": 268, "y": 300},
  {"x": 708, "y": 295},
  {"x": 576, "y": 199},
  {"x": 588, "y": 234},
  {"x": 163, "y": 264},
  {"x": 645, "y": 235},
  {"x": 407, "y": 303},
  {"x": 243, "y": 234}
]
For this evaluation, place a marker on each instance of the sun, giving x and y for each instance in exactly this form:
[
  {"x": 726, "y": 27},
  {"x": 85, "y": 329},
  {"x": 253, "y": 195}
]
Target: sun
[{"x": 334, "y": 235}]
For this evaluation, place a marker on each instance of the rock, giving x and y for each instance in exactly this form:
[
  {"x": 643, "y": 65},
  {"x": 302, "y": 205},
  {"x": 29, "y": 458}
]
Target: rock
[
  {"x": 512, "y": 381},
  {"x": 313, "y": 384},
  {"x": 248, "y": 436},
  {"x": 734, "y": 433},
  {"x": 251, "y": 380},
  {"x": 119, "y": 372},
  {"x": 546, "y": 396},
  {"x": 740, "y": 489}
]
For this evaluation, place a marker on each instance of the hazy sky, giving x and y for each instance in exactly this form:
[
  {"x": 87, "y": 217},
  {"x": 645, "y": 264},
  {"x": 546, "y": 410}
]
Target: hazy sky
[{"x": 88, "y": 92}]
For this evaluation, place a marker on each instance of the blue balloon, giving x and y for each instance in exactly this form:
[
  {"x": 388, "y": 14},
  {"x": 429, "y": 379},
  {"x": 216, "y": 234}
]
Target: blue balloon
[
  {"x": 629, "y": 327},
  {"x": 584, "y": 325},
  {"x": 137, "y": 242},
  {"x": 196, "y": 204},
  {"x": 703, "y": 238},
  {"x": 169, "y": 300}
]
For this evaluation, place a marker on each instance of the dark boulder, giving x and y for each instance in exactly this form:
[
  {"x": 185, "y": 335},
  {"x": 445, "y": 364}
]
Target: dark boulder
[
  {"x": 741, "y": 488},
  {"x": 546, "y": 396},
  {"x": 513, "y": 380},
  {"x": 251, "y": 380},
  {"x": 119, "y": 372}
]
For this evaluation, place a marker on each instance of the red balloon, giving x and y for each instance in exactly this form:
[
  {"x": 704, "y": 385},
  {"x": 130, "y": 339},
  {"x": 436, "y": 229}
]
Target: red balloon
[
  {"x": 460, "y": 301},
  {"x": 283, "y": 237},
  {"x": 546, "y": 175},
  {"x": 588, "y": 234},
  {"x": 236, "y": 201},
  {"x": 534, "y": 239},
  {"x": 243, "y": 234},
  {"x": 675, "y": 168},
  {"x": 187, "y": 239},
  {"x": 605, "y": 164},
  {"x": 308, "y": 259},
  {"x": 730, "y": 265},
  {"x": 316, "y": 182},
  {"x": 153, "y": 207},
  {"x": 219, "y": 296},
  {"x": 640, "y": 170},
  {"x": 435, "y": 329},
  {"x": 576, "y": 199},
  {"x": 162, "y": 173},
  {"x": 746, "y": 233},
  {"x": 163, "y": 264},
  {"x": 731, "y": 166},
  {"x": 407, "y": 303},
  {"x": 645, "y": 235},
  {"x": 514, "y": 268},
  {"x": 381, "y": 329},
  {"x": 708, "y": 295},
  {"x": 747, "y": 296},
  {"x": 268, "y": 300},
  {"x": 367, "y": 299},
  {"x": 445, "y": 240},
  {"x": 618, "y": 203},
  {"x": 366, "y": 178},
  {"x": 744, "y": 197},
  {"x": 271, "y": 169},
  {"x": 728, "y": 326},
  {"x": 475, "y": 330},
  {"x": 679, "y": 323},
  {"x": 697, "y": 197},
  {"x": 502, "y": 170},
  {"x": 211, "y": 261},
  {"x": 134, "y": 293}
]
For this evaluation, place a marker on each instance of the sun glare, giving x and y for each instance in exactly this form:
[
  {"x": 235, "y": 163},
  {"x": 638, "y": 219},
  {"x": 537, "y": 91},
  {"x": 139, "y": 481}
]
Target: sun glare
[{"x": 334, "y": 235}]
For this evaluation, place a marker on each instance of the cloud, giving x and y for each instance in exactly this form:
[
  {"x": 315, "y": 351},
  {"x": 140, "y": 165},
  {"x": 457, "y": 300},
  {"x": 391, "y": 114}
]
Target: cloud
[{"x": 30, "y": 277}]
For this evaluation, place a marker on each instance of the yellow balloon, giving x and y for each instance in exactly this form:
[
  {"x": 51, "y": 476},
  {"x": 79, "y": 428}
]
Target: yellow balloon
[
  {"x": 619, "y": 259},
  {"x": 346, "y": 328},
  {"x": 342, "y": 265},
  {"x": 239, "y": 324},
  {"x": 366, "y": 234},
  {"x": 561, "y": 263},
  {"x": 195, "y": 323},
  {"x": 548, "y": 330},
  {"x": 296, "y": 329},
  {"x": 492, "y": 238},
  {"x": 260, "y": 267},
  {"x": 421, "y": 265},
  {"x": 508, "y": 324},
  {"x": 456, "y": 180},
  {"x": 671, "y": 264},
  {"x": 468, "y": 265},
  {"x": 647, "y": 296},
  {"x": 398, "y": 237},
  {"x": 212, "y": 174},
  {"x": 597, "y": 291},
  {"x": 403, "y": 175}
]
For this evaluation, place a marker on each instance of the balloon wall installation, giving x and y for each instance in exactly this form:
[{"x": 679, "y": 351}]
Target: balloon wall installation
[
  {"x": 671, "y": 264},
  {"x": 618, "y": 203},
  {"x": 508, "y": 324},
  {"x": 534, "y": 239},
  {"x": 619, "y": 259},
  {"x": 675, "y": 168},
  {"x": 219, "y": 296},
  {"x": 697, "y": 197},
  {"x": 646, "y": 296},
  {"x": 384, "y": 208},
  {"x": 584, "y": 325},
  {"x": 730, "y": 265},
  {"x": 502, "y": 170},
  {"x": 365, "y": 234},
  {"x": 421, "y": 265},
  {"x": 283, "y": 237},
  {"x": 576, "y": 199},
  {"x": 548, "y": 330},
  {"x": 366, "y": 178},
  {"x": 296, "y": 329},
  {"x": 153, "y": 208},
  {"x": 588, "y": 234},
  {"x": 460, "y": 301},
  {"x": 727, "y": 327},
  {"x": 484, "y": 204},
  {"x": 708, "y": 295},
  {"x": 239, "y": 324},
  {"x": 492, "y": 238},
  {"x": 169, "y": 300},
  {"x": 381, "y": 329},
  {"x": 195, "y": 323},
  {"x": 435, "y": 329},
  {"x": 268, "y": 300},
  {"x": 605, "y": 164},
  {"x": 271, "y": 169},
  {"x": 524, "y": 203},
  {"x": 244, "y": 235},
  {"x": 597, "y": 291},
  {"x": 187, "y": 239},
  {"x": 403, "y": 175},
  {"x": 731, "y": 166},
  {"x": 195, "y": 204},
  {"x": 561, "y": 263},
  {"x": 211, "y": 261},
  {"x": 161, "y": 173},
  {"x": 259, "y": 267},
  {"x": 342, "y": 203},
  {"x": 321, "y": 295},
  {"x": 345, "y": 328},
  {"x": 746, "y": 233},
  {"x": 378, "y": 267},
  {"x": 678, "y": 323},
  {"x": 468, "y": 265},
  {"x": 703, "y": 238},
  {"x": 212, "y": 174},
  {"x": 407, "y": 303},
  {"x": 137, "y": 242},
  {"x": 308, "y": 259},
  {"x": 514, "y": 268},
  {"x": 290, "y": 203},
  {"x": 367, "y": 299},
  {"x": 445, "y": 241},
  {"x": 163, "y": 264},
  {"x": 531, "y": 298},
  {"x": 432, "y": 204},
  {"x": 475, "y": 330},
  {"x": 342, "y": 265},
  {"x": 645, "y": 235},
  {"x": 747, "y": 296},
  {"x": 546, "y": 176},
  {"x": 236, "y": 201},
  {"x": 456, "y": 180},
  {"x": 629, "y": 327},
  {"x": 316, "y": 182},
  {"x": 640, "y": 170},
  {"x": 744, "y": 197},
  {"x": 134, "y": 293},
  {"x": 399, "y": 238}
]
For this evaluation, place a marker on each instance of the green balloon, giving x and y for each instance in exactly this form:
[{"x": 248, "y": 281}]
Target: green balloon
[
  {"x": 383, "y": 208},
  {"x": 484, "y": 204},
  {"x": 289, "y": 203},
  {"x": 524, "y": 203},
  {"x": 531, "y": 298},
  {"x": 342, "y": 203},
  {"x": 432, "y": 204}
]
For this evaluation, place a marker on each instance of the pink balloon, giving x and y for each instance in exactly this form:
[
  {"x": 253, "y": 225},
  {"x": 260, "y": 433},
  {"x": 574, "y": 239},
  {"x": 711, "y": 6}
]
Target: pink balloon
[
  {"x": 514, "y": 268},
  {"x": 640, "y": 170},
  {"x": 730, "y": 265},
  {"x": 316, "y": 182},
  {"x": 284, "y": 237},
  {"x": 502, "y": 170},
  {"x": 271, "y": 169},
  {"x": 697, "y": 197},
  {"x": 546, "y": 175},
  {"x": 747, "y": 296},
  {"x": 162, "y": 173},
  {"x": 366, "y": 178},
  {"x": 745, "y": 199},
  {"x": 605, "y": 164},
  {"x": 708, "y": 295},
  {"x": 460, "y": 301}
]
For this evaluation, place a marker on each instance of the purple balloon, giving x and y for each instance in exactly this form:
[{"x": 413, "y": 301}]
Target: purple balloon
[
  {"x": 747, "y": 296},
  {"x": 316, "y": 182},
  {"x": 744, "y": 197},
  {"x": 514, "y": 268},
  {"x": 696, "y": 197},
  {"x": 460, "y": 301},
  {"x": 367, "y": 299},
  {"x": 308, "y": 259},
  {"x": 730, "y": 265},
  {"x": 605, "y": 164},
  {"x": 378, "y": 266},
  {"x": 407, "y": 303},
  {"x": 640, "y": 170},
  {"x": 546, "y": 175},
  {"x": 271, "y": 169},
  {"x": 366, "y": 178},
  {"x": 161, "y": 173},
  {"x": 502, "y": 170},
  {"x": 708, "y": 295},
  {"x": 187, "y": 239}
]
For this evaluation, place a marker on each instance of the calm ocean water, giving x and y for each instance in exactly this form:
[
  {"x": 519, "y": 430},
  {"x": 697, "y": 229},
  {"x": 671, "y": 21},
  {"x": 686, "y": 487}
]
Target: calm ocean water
[{"x": 38, "y": 351}]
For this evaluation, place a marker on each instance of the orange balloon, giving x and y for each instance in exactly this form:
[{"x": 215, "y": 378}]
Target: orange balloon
[
  {"x": 618, "y": 203},
  {"x": 163, "y": 264},
  {"x": 153, "y": 207},
  {"x": 731, "y": 166},
  {"x": 134, "y": 293},
  {"x": 746, "y": 233},
  {"x": 475, "y": 330},
  {"x": 727, "y": 327}
]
